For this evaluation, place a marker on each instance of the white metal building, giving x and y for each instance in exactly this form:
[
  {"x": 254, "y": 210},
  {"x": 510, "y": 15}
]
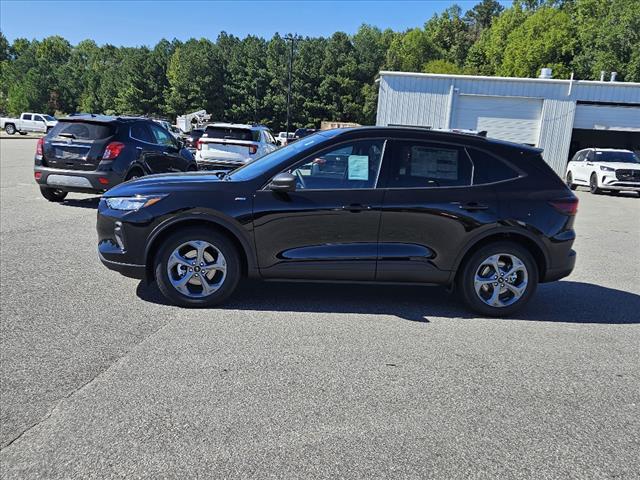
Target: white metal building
[{"x": 560, "y": 116}]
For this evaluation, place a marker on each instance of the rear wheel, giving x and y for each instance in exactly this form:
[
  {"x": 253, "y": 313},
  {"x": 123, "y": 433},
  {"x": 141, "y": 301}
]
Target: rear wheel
[
  {"x": 197, "y": 267},
  {"x": 570, "y": 183},
  {"x": 593, "y": 184},
  {"x": 10, "y": 128},
  {"x": 498, "y": 279},
  {"x": 53, "y": 194},
  {"x": 133, "y": 174}
]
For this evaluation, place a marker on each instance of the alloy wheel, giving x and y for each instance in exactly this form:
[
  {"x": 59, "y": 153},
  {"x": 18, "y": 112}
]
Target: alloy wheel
[
  {"x": 501, "y": 280},
  {"x": 197, "y": 269}
]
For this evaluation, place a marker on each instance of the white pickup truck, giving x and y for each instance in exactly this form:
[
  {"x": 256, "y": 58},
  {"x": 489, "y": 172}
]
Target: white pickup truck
[{"x": 28, "y": 122}]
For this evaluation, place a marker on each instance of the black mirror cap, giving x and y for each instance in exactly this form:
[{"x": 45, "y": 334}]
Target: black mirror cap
[{"x": 283, "y": 182}]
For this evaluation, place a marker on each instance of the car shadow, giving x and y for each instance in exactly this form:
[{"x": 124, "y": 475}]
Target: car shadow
[
  {"x": 91, "y": 202},
  {"x": 571, "y": 302}
]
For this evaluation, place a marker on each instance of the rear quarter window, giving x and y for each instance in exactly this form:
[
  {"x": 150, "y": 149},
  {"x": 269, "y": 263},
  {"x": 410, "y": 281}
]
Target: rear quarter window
[
  {"x": 83, "y": 130},
  {"x": 488, "y": 168}
]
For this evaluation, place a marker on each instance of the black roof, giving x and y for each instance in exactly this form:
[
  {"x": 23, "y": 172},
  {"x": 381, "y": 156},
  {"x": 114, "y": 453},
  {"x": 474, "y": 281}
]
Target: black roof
[{"x": 99, "y": 118}]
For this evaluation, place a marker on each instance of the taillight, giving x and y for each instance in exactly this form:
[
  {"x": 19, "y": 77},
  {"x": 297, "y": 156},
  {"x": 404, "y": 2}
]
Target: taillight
[
  {"x": 253, "y": 149},
  {"x": 566, "y": 206},
  {"x": 39, "y": 146},
  {"x": 199, "y": 145},
  {"x": 37, "y": 175},
  {"x": 112, "y": 150}
]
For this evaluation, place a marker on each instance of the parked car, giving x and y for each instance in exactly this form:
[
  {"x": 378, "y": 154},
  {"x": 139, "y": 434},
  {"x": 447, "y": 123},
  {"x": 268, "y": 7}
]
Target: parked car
[
  {"x": 283, "y": 138},
  {"x": 372, "y": 204},
  {"x": 604, "y": 169},
  {"x": 28, "y": 122},
  {"x": 301, "y": 133},
  {"x": 226, "y": 146},
  {"x": 93, "y": 153},
  {"x": 192, "y": 138}
]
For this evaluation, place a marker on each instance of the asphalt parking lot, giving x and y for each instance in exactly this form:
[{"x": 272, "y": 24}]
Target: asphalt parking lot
[{"x": 101, "y": 379}]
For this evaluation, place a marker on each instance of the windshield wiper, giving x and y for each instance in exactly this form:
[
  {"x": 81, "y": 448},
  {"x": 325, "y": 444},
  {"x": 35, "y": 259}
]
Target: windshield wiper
[{"x": 67, "y": 135}]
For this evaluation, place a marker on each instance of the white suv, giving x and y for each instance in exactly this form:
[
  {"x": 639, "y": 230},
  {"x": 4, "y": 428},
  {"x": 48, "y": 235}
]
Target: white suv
[
  {"x": 604, "y": 169},
  {"x": 227, "y": 146}
]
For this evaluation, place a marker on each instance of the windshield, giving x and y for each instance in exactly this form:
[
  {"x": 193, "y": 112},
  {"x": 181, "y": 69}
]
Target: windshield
[
  {"x": 617, "y": 156},
  {"x": 49, "y": 118},
  {"x": 272, "y": 160},
  {"x": 232, "y": 133}
]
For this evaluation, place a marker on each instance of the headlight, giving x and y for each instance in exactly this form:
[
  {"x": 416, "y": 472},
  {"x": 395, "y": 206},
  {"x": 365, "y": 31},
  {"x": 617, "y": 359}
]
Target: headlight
[
  {"x": 607, "y": 169},
  {"x": 131, "y": 203}
]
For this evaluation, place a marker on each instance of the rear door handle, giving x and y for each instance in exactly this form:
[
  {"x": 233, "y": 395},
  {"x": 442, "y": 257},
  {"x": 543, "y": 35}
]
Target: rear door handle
[
  {"x": 355, "y": 207},
  {"x": 473, "y": 206}
]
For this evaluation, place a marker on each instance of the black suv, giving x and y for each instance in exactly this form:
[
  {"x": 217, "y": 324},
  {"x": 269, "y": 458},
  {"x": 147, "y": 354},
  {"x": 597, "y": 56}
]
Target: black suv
[
  {"x": 93, "y": 153},
  {"x": 371, "y": 204}
]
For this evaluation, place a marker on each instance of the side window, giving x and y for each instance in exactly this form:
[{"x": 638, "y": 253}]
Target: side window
[
  {"x": 162, "y": 137},
  {"x": 579, "y": 157},
  {"x": 489, "y": 169},
  {"x": 140, "y": 132},
  {"x": 255, "y": 135},
  {"x": 419, "y": 164},
  {"x": 350, "y": 166},
  {"x": 38, "y": 118},
  {"x": 590, "y": 156},
  {"x": 268, "y": 137},
  {"x": 27, "y": 116}
]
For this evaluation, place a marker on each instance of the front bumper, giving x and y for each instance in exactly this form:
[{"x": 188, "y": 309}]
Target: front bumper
[
  {"x": 77, "y": 180},
  {"x": 131, "y": 270}
]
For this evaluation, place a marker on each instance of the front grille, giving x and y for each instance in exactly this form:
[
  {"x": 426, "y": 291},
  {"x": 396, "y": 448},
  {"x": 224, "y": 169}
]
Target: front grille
[{"x": 628, "y": 175}]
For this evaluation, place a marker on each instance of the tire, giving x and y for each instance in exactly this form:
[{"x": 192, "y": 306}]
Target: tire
[
  {"x": 222, "y": 281},
  {"x": 593, "y": 184},
  {"x": 478, "y": 295},
  {"x": 53, "y": 194},
  {"x": 133, "y": 174},
  {"x": 570, "y": 183},
  {"x": 22, "y": 133},
  {"x": 10, "y": 128},
  {"x": 192, "y": 168}
]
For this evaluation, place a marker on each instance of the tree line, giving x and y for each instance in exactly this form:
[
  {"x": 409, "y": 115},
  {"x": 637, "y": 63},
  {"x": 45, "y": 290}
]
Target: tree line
[{"x": 245, "y": 79}]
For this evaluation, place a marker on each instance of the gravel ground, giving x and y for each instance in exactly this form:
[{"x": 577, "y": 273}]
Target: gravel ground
[{"x": 101, "y": 379}]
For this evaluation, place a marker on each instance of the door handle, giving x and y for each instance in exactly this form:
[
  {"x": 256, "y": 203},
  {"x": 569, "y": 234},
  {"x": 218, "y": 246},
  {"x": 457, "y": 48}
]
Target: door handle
[
  {"x": 589, "y": 163},
  {"x": 355, "y": 207},
  {"x": 473, "y": 206}
]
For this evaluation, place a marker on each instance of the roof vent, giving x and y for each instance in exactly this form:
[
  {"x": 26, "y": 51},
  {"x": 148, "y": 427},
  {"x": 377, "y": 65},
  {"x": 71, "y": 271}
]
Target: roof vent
[
  {"x": 545, "y": 73},
  {"x": 613, "y": 76}
]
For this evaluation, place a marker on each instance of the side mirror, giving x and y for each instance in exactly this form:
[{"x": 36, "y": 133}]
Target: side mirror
[{"x": 283, "y": 182}]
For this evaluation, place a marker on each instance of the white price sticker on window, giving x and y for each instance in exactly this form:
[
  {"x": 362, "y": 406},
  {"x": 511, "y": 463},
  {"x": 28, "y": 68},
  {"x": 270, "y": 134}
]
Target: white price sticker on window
[{"x": 358, "y": 167}]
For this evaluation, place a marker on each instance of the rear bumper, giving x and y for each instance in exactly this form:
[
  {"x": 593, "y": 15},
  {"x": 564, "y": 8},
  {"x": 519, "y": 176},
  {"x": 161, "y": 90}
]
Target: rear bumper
[
  {"x": 82, "y": 181},
  {"x": 561, "y": 269}
]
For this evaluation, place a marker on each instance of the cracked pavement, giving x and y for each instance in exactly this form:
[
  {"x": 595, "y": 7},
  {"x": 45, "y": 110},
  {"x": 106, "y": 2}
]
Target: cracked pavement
[{"x": 100, "y": 379}]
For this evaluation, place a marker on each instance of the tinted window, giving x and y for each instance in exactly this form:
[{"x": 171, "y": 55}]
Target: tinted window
[
  {"x": 489, "y": 169},
  {"x": 82, "y": 130},
  {"x": 417, "y": 164},
  {"x": 38, "y": 118},
  {"x": 27, "y": 117},
  {"x": 162, "y": 137},
  {"x": 140, "y": 132},
  {"x": 232, "y": 133},
  {"x": 352, "y": 165}
]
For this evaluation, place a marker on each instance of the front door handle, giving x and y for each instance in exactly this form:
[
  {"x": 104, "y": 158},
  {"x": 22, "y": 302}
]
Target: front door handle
[
  {"x": 355, "y": 207},
  {"x": 473, "y": 206}
]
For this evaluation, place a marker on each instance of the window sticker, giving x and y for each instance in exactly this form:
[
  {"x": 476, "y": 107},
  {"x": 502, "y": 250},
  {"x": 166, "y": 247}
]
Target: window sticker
[
  {"x": 358, "y": 167},
  {"x": 434, "y": 163}
]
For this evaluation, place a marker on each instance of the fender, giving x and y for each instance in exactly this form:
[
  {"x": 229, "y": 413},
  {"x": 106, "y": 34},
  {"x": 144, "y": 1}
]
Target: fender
[
  {"x": 502, "y": 230},
  {"x": 208, "y": 217},
  {"x": 136, "y": 164}
]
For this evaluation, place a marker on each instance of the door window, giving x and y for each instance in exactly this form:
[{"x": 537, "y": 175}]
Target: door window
[
  {"x": 26, "y": 117},
  {"x": 38, "y": 118},
  {"x": 162, "y": 137},
  {"x": 419, "y": 164},
  {"x": 353, "y": 165},
  {"x": 140, "y": 132}
]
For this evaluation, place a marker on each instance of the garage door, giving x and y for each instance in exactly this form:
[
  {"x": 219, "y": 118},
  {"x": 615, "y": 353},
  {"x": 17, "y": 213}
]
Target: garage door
[
  {"x": 515, "y": 119},
  {"x": 605, "y": 117}
]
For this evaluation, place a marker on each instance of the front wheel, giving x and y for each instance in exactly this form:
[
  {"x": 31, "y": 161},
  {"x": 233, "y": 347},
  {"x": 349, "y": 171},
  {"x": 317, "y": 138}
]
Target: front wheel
[
  {"x": 53, "y": 194},
  {"x": 593, "y": 184},
  {"x": 498, "y": 279},
  {"x": 570, "y": 183},
  {"x": 197, "y": 267}
]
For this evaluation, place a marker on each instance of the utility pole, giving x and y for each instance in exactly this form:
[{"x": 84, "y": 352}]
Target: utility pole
[
  {"x": 255, "y": 105},
  {"x": 292, "y": 39}
]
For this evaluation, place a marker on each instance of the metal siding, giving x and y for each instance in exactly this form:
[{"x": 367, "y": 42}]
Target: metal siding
[
  {"x": 515, "y": 119},
  {"x": 556, "y": 127},
  {"x": 601, "y": 117}
]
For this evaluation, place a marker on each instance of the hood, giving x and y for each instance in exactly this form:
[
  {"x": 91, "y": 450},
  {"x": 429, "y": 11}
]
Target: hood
[{"x": 165, "y": 183}]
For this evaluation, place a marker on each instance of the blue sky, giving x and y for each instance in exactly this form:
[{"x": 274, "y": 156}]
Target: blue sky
[{"x": 145, "y": 22}]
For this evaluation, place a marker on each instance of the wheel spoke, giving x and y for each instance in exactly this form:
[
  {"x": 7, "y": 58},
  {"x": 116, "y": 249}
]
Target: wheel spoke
[
  {"x": 516, "y": 290},
  {"x": 177, "y": 259},
  {"x": 219, "y": 265},
  {"x": 181, "y": 283},
  {"x": 494, "y": 299},
  {"x": 197, "y": 269},
  {"x": 200, "y": 248},
  {"x": 517, "y": 266},
  {"x": 480, "y": 282}
]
